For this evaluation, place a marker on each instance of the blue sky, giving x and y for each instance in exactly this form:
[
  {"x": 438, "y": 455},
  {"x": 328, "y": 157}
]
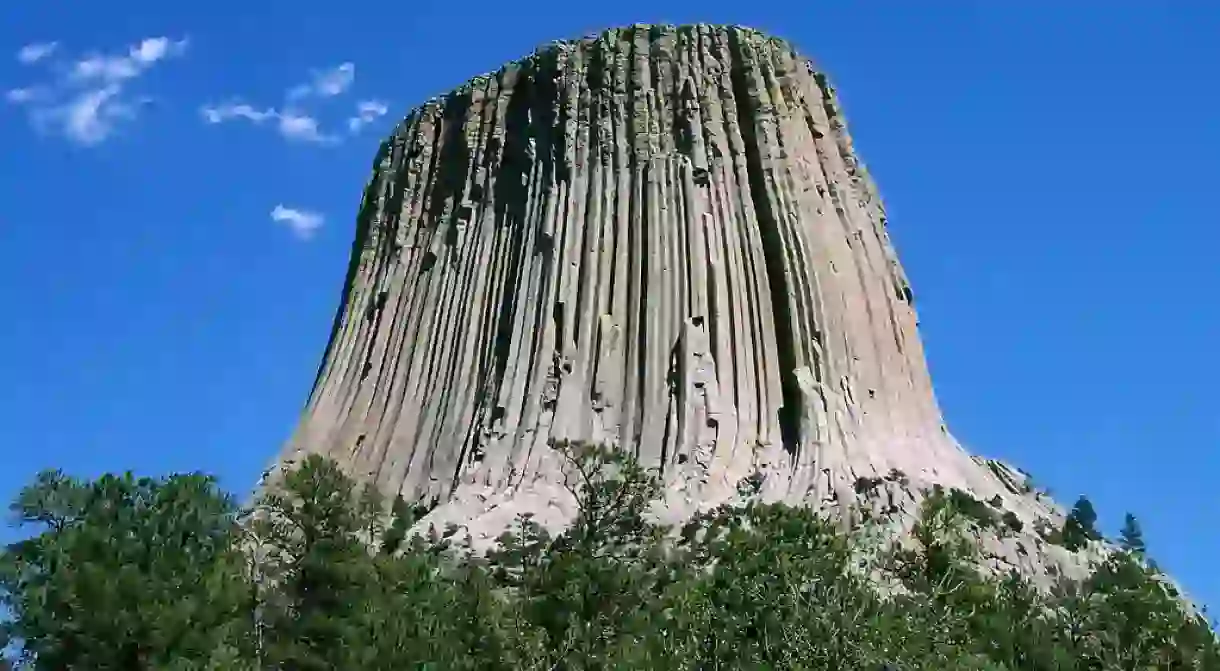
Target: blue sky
[{"x": 1046, "y": 170}]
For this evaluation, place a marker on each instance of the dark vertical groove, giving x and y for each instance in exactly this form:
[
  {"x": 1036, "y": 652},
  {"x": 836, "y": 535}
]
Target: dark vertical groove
[
  {"x": 594, "y": 69},
  {"x": 511, "y": 199},
  {"x": 641, "y": 321},
  {"x": 453, "y": 159},
  {"x": 773, "y": 248},
  {"x": 544, "y": 120}
]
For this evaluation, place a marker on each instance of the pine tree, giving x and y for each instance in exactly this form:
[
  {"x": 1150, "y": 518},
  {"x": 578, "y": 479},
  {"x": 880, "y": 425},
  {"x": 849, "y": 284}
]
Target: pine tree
[
  {"x": 324, "y": 571},
  {"x": 1080, "y": 525},
  {"x": 1131, "y": 538},
  {"x": 126, "y": 573}
]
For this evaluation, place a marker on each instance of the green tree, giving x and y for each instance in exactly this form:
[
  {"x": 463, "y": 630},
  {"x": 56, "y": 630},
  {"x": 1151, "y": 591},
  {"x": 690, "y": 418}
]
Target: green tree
[
  {"x": 1131, "y": 537},
  {"x": 124, "y": 573},
  {"x": 1140, "y": 620},
  {"x": 320, "y": 569},
  {"x": 590, "y": 592},
  {"x": 1080, "y": 525}
]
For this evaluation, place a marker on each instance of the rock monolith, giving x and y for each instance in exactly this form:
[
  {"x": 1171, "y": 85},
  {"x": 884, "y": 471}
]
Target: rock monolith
[{"x": 656, "y": 238}]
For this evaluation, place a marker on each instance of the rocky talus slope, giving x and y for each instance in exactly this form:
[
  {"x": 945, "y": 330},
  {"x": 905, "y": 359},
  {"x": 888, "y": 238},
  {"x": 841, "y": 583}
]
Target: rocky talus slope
[{"x": 657, "y": 238}]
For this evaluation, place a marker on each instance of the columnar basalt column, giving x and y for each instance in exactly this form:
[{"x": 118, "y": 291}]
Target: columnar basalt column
[{"x": 656, "y": 238}]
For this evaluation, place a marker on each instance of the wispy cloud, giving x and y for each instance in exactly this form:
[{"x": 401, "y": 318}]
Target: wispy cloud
[
  {"x": 235, "y": 110},
  {"x": 326, "y": 83},
  {"x": 303, "y": 223},
  {"x": 32, "y": 53},
  {"x": 302, "y": 127},
  {"x": 117, "y": 68},
  {"x": 367, "y": 111},
  {"x": 292, "y": 125},
  {"x": 88, "y": 99},
  {"x": 293, "y": 119}
]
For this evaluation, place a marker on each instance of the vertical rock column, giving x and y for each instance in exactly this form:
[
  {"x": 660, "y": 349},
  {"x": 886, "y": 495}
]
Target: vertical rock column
[{"x": 657, "y": 238}]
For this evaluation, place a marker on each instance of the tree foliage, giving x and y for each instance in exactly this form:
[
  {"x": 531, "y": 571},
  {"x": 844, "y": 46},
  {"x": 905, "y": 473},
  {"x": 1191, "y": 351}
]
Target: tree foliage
[
  {"x": 125, "y": 573},
  {"x": 1131, "y": 537},
  {"x": 1080, "y": 526},
  {"x": 132, "y": 574}
]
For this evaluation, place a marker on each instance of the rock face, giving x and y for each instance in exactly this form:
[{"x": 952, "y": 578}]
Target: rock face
[{"x": 656, "y": 238}]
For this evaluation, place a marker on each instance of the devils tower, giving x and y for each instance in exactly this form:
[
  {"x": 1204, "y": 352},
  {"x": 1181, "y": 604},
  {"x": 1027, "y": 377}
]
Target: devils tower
[{"x": 658, "y": 239}]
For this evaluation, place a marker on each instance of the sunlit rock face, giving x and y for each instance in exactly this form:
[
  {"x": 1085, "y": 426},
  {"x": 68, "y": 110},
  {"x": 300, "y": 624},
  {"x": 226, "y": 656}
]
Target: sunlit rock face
[{"x": 657, "y": 238}]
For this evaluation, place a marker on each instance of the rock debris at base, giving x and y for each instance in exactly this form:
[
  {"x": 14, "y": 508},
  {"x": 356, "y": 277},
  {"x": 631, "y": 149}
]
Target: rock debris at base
[{"x": 656, "y": 238}]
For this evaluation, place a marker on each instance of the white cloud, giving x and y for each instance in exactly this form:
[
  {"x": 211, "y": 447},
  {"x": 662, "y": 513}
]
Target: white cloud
[
  {"x": 367, "y": 111},
  {"x": 326, "y": 83},
  {"x": 89, "y": 101},
  {"x": 336, "y": 81},
  {"x": 154, "y": 49},
  {"x": 92, "y": 116},
  {"x": 302, "y": 127},
  {"x": 139, "y": 57},
  {"x": 32, "y": 53},
  {"x": 294, "y": 120},
  {"x": 233, "y": 110},
  {"x": 293, "y": 126},
  {"x": 303, "y": 223}
]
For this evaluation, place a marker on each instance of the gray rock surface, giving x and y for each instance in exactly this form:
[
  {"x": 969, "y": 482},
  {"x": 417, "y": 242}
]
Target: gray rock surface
[{"x": 657, "y": 238}]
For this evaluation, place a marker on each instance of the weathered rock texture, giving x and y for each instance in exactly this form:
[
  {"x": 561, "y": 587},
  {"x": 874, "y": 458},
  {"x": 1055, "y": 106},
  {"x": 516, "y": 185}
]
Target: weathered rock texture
[{"x": 657, "y": 238}]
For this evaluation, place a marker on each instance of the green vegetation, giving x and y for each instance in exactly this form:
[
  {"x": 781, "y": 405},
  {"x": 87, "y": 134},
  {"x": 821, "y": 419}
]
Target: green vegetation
[
  {"x": 1011, "y": 521},
  {"x": 971, "y": 508},
  {"x": 1080, "y": 527},
  {"x": 130, "y": 574},
  {"x": 1131, "y": 537}
]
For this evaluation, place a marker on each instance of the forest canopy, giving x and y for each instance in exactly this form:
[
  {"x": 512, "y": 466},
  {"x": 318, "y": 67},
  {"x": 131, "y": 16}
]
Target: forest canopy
[{"x": 128, "y": 573}]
